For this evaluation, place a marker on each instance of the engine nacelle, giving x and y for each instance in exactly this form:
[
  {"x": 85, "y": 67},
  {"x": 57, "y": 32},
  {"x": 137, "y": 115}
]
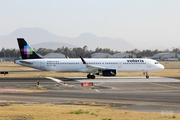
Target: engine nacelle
[{"x": 109, "y": 72}]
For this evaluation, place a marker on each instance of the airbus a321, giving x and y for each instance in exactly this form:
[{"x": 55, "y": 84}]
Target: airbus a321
[{"x": 92, "y": 66}]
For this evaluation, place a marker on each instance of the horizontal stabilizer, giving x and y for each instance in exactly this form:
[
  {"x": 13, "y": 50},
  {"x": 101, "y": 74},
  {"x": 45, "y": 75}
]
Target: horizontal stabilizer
[{"x": 25, "y": 62}]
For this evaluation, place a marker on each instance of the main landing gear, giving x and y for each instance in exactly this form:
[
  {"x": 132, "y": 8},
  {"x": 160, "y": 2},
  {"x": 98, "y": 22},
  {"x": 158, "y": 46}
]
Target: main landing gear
[
  {"x": 89, "y": 76},
  {"x": 147, "y": 76}
]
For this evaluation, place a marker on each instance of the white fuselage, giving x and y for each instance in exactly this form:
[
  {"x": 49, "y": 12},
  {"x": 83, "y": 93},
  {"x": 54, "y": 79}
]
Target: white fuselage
[{"x": 76, "y": 65}]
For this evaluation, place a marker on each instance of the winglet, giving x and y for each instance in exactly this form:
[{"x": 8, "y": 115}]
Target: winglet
[{"x": 83, "y": 61}]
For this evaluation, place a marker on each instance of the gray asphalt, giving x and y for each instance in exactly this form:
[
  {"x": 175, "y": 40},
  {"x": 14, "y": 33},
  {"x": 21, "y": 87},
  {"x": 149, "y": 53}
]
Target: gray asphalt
[{"x": 155, "y": 94}]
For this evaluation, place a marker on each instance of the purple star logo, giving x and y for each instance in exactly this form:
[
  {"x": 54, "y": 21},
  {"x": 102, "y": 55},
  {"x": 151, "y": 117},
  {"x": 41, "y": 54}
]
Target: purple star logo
[{"x": 27, "y": 51}]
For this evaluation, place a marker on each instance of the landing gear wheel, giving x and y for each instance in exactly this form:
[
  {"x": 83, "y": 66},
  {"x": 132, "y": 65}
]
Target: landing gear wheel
[
  {"x": 89, "y": 76},
  {"x": 92, "y": 76},
  {"x": 147, "y": 76}
]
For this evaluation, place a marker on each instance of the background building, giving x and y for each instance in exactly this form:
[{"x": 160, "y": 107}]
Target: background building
[
  {"x": 124, "y": 55},
  {"x": 166, "y": 56},
  {"x": 101, "y": 55},
  {"x": 117, "y": 55},
  {"x": 54, "y": 55}
]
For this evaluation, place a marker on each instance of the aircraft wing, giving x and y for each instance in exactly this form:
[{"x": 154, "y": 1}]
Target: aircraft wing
[{"x": 92, "y": 68}]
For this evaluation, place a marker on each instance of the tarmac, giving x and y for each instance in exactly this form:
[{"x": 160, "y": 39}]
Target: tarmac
[{"x": 156, "y": 94}]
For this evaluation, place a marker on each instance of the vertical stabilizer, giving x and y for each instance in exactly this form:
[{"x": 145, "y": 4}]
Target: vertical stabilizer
[{"x": 26, "y": 51}]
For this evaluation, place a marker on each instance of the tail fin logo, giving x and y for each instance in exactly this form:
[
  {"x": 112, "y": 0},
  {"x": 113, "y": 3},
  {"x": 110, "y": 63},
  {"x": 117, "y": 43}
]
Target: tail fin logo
[{"x": 27, "y": 50}]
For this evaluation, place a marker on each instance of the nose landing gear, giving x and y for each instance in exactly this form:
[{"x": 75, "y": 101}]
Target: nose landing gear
[{"x": 147, "y": 76}]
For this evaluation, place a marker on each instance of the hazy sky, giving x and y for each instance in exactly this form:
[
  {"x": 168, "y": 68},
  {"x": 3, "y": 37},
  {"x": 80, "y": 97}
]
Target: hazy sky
[{"x": 141, "y": 22}]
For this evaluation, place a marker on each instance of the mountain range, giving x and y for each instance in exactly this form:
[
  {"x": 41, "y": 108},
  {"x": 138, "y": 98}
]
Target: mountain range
[{"x": 41, "y": 38}]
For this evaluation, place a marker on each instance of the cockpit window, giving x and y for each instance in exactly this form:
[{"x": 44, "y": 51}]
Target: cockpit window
[{"x": 156, "y": 63}]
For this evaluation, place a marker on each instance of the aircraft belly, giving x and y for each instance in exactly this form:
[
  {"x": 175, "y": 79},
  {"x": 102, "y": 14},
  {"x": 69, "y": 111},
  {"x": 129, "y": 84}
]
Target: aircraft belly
[{"x": 131, "y": 68}]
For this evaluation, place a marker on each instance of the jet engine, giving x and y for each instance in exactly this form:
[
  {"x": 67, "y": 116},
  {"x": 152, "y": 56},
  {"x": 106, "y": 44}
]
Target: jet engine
[{"x": 108, "y": 72}]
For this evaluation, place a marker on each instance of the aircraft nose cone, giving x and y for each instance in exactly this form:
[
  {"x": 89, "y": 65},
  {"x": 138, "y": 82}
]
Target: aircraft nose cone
[{"x": 161, "y": 66}]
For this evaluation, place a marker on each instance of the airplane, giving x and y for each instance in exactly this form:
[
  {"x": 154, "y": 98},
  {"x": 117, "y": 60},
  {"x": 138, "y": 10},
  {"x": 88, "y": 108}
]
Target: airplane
[{"x": 92, "y": 66}]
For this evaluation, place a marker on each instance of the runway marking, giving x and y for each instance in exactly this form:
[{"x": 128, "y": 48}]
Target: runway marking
[
  {"x": 97, "y": 90},
  {"x": 59, "y": 81},
  {"x": 168, "y": 86},
  {"x": 54, "y": 79}
]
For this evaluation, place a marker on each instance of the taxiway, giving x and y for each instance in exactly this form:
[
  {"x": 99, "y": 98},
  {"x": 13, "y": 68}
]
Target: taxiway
[{"x": 156, "y": 94}]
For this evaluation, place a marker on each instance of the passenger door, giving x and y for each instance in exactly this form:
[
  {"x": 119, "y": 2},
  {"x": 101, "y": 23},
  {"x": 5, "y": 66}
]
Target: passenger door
[
  {"x": 119, "y": 65},
  {"x": 148, "y": 65},
  {"x": 42, "y": 65}
]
